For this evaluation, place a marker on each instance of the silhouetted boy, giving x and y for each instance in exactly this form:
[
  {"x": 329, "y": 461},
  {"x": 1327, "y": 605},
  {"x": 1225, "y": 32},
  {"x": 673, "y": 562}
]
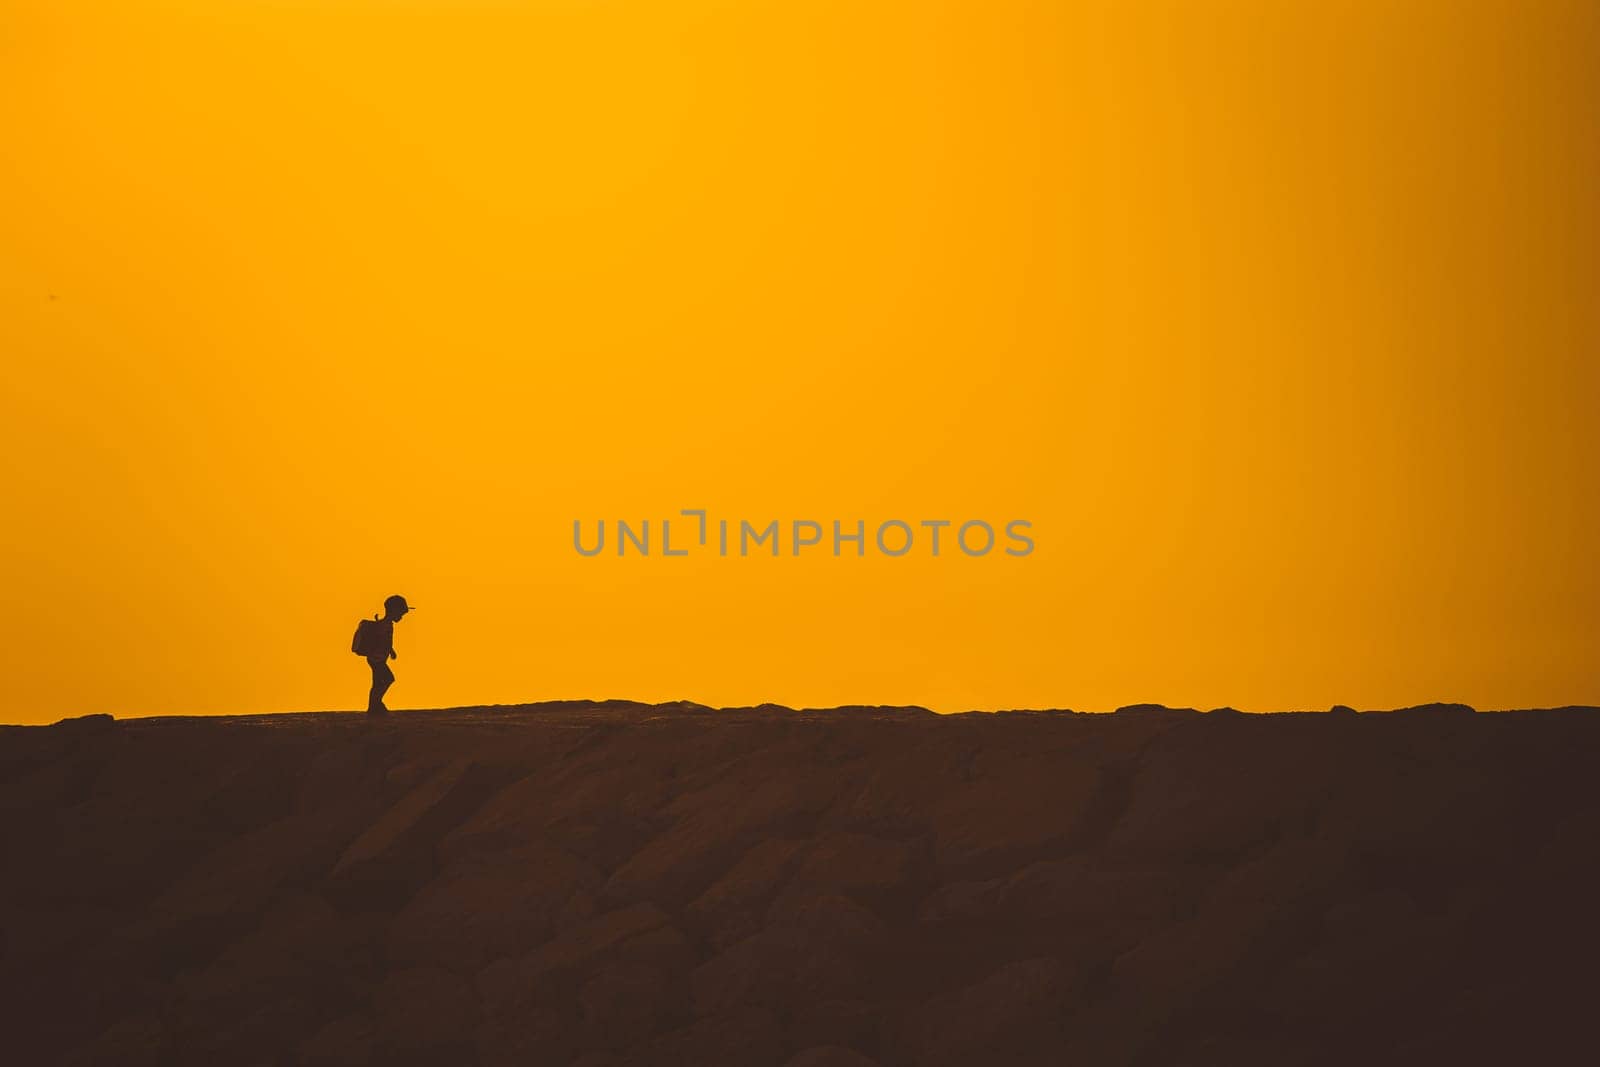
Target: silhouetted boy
[{"x": 381, "y": 649}]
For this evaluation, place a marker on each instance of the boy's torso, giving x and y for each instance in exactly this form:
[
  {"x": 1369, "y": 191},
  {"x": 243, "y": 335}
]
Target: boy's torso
[{"x": 384, "y": 644}]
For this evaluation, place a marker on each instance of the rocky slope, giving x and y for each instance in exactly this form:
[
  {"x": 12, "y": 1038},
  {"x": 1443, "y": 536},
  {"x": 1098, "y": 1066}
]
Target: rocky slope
[{"x": 619, "y": 883}]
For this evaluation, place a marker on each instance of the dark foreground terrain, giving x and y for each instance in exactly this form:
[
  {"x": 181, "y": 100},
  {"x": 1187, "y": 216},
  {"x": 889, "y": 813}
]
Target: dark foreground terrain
[{"x": 630, "y": 884}]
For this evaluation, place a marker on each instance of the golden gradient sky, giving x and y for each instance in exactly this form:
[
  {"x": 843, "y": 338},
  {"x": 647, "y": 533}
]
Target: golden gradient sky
[{"x": 1278, "y": 320}]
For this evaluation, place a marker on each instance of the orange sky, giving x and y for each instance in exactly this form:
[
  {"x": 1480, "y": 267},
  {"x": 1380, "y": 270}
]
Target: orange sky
[{"x": 1278, "y": 322}]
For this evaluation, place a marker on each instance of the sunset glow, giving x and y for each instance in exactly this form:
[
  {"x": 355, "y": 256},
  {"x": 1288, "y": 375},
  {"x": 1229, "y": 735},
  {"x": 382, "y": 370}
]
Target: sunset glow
[{"x": 1278, "y": 323}]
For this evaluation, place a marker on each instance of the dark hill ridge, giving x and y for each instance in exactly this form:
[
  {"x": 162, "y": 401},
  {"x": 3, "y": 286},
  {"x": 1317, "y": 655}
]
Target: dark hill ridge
[{"x": 619, "y": 883}]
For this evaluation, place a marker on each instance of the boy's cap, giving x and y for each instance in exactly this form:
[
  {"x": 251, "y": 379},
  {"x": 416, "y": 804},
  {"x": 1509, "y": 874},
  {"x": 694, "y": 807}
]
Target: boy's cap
[{"x": 398, "y": 602}]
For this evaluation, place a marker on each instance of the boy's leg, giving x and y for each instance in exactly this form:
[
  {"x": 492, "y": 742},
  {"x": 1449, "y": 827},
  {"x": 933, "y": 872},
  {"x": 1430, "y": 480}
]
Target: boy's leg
[{"x": 382, "y": 679}]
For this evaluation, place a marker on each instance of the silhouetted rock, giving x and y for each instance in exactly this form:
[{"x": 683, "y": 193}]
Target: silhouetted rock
[
  {"x": 1154, "y": 709},
  {"x": 912, "y": 711},
  {"x": 752, "y": 881},
  {"x": 582, "y": 947},
  {"x": 384, "y": 835},
  {"x": 484, "y": 908},
  {"x": 750, "y": 1035},
  {"x": 984, "y": 816},
  {"x": 1242, "y": 921},
  {"x": 424, "y": 1010},
  {"x": 344, "y": 1041},
  {"x": 839, "y": 1021},
  {"x": 709, "y": 828},
  {"x": 1342, "y": 709},
  {"x": 856, "y": 864},
  {"x": 1436, "y": 709},
  {"x": 830, "y": 1056},
  {"x": 87, "y": 723},
  {"x": 610, "y": 884},
  {"x": 625, "y": 1003},
  {"x": 1014, "y": 1015},
  {"x": 684, "y": 707},
  {"x": 813, "y": 950},
  {"x": 136, "y": 1040}
]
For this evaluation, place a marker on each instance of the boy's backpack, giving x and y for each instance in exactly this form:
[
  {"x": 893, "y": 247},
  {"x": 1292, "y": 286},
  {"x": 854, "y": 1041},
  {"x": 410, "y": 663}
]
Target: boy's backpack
[{"x": 368, "y": 640}]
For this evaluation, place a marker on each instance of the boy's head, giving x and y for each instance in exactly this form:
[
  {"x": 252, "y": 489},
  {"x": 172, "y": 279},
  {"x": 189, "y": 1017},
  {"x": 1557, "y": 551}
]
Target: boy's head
[{"x": 396, "y": 607}]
